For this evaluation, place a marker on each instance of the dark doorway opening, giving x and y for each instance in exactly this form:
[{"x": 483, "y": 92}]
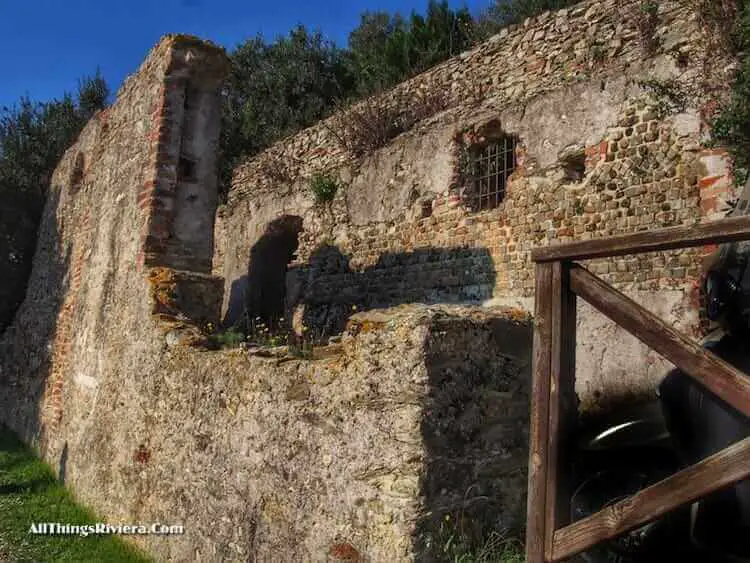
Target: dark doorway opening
[{"x": 266, "y": 279}]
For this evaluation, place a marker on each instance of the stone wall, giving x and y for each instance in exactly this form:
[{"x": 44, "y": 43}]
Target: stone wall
[
  {"x": 420, "y": 412},
  {"x": 115, "y": 200},
  {"x": 570, "y": 86},
  {"x": 367, "y": 447}
]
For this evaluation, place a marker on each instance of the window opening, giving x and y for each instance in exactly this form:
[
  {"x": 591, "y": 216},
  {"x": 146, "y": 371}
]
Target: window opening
[{"x": 492, "y": 164}]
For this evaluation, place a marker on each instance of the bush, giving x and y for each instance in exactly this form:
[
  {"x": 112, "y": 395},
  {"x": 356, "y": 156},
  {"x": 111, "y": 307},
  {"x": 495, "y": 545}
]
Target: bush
[
  {"x": 731, "y": 125},
  {"x": 369, "y": 125},
  {"x": 231, "y": 338},
  {"x": 324, "y": 187}
]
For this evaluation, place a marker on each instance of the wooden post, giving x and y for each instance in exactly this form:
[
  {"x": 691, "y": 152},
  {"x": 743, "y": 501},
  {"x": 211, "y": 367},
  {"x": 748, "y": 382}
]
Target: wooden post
[
  {"x": 549, "y": 536},
  {"x": 539, "y": 423},
  {"x": 563, "y": 408}
]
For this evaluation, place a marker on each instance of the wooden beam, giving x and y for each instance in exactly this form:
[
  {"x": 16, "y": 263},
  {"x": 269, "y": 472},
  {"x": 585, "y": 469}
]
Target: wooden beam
[
  {"x": 722, "y": 379},
  {"x": 562, "y": 403},
  {"x": 539, "y": 430},
  {"x": 716, "y": 232},
  {"x": 712, "y": 474}
]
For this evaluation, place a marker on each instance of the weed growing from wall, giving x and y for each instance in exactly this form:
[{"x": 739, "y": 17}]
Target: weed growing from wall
[
  {"x": 231, "y": 338},
  {"x": 597, "y": 54},
  {"x": 274, "y": 166},
  {"x": 372, "y": 123},
  {"x": 731, "y": 124},
  {"x": 670, "y": 96},
  {"x": 722, "y": 20},
  {"x": 648, "y": 18},
  {"x": 324, "y": 187},
  {"x": 254, "y": 332}
]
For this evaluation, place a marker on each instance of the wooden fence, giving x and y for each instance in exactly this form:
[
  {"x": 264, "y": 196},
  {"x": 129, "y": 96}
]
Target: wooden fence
[{"x": 559, "y": 281}]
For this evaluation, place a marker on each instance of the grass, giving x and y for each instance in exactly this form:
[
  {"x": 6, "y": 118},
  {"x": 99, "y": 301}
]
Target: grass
[
  {"x": 496, "y": 549},
  {"x": 30, "y": 493},
  {"x": 231, "y": 338},
  {"x": 456, "y": 547}
]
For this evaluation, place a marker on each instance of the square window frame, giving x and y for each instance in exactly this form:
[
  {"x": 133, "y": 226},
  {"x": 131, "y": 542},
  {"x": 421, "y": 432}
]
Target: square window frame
[{"x": 491, "y": 164}]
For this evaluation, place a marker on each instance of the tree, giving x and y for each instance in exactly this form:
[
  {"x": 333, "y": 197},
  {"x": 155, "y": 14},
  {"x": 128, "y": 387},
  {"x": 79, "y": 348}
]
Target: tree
[
  {"x": 277, "y": 89},
  {"x": 507, "y": 12},
  {"x": 439, "y": 35},
  {"x": 386, "y": 49},
  {"x": 378, "y": 52},
  {"x": 93, "y": 94}
]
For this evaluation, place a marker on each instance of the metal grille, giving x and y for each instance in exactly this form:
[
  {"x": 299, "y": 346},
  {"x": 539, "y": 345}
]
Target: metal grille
[{"x": 492, "y": 164}]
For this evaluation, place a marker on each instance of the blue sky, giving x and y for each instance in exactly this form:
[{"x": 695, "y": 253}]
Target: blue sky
[{"x": 47, "y": 45}]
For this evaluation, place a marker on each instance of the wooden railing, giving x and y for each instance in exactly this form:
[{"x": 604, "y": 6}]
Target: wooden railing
[{"x": 559, "y": 281}]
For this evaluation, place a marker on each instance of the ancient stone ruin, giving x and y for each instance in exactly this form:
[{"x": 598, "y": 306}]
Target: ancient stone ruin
[{"x": 407, "y": 257}]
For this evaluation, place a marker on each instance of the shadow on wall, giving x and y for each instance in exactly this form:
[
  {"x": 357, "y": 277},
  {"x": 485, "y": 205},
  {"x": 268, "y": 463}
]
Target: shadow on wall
[
  {"x": 329, "y": 291},
  {"x": 475, "y": 428},
  {"x": 262, "y": 292},
  {"x": 26, "y": 348},
  {"x": 18, "y": 229}
]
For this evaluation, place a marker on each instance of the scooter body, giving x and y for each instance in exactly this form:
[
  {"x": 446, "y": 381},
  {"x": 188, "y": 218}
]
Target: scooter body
[
  {"x": 618, "y": 455},
  {"x": 631, "y": 448}
]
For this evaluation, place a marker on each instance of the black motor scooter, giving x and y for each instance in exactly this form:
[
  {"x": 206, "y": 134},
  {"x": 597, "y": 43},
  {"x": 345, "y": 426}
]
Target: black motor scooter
[
  {"x": 618, "y": 455},
  {"x": 632, "y": 447}
]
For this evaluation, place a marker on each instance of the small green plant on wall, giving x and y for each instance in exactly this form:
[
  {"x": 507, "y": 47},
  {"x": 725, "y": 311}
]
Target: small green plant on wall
[
  {"x": 597, "y": 54},
  {"x": 324, "y": 187},
  {"x": 648, "y": 20}
]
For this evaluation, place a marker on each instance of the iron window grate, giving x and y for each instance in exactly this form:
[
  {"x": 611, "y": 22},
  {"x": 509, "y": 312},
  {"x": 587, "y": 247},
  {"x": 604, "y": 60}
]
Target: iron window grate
[{"x": 491, "y": 165}]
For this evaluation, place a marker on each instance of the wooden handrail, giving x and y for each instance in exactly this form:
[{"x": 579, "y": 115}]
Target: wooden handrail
[
  {"x": 721, "y": 378},
  {"x": 558, "y": 282},
  {"x": 716, "y": 232},
  {"x": 712, "y": 474}
]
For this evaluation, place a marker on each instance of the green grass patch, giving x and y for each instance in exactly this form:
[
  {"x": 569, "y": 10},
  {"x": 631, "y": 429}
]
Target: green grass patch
[
  {"x": 30, "y": 493},
  {"x": 455, "y": 543},
  {"x": 497, "y": 548}
]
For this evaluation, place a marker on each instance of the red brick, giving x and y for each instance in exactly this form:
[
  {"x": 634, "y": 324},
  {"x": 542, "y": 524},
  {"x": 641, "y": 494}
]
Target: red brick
[
  {"x": 709, "y": 204},
  {"x": 709, "y": 181}
]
